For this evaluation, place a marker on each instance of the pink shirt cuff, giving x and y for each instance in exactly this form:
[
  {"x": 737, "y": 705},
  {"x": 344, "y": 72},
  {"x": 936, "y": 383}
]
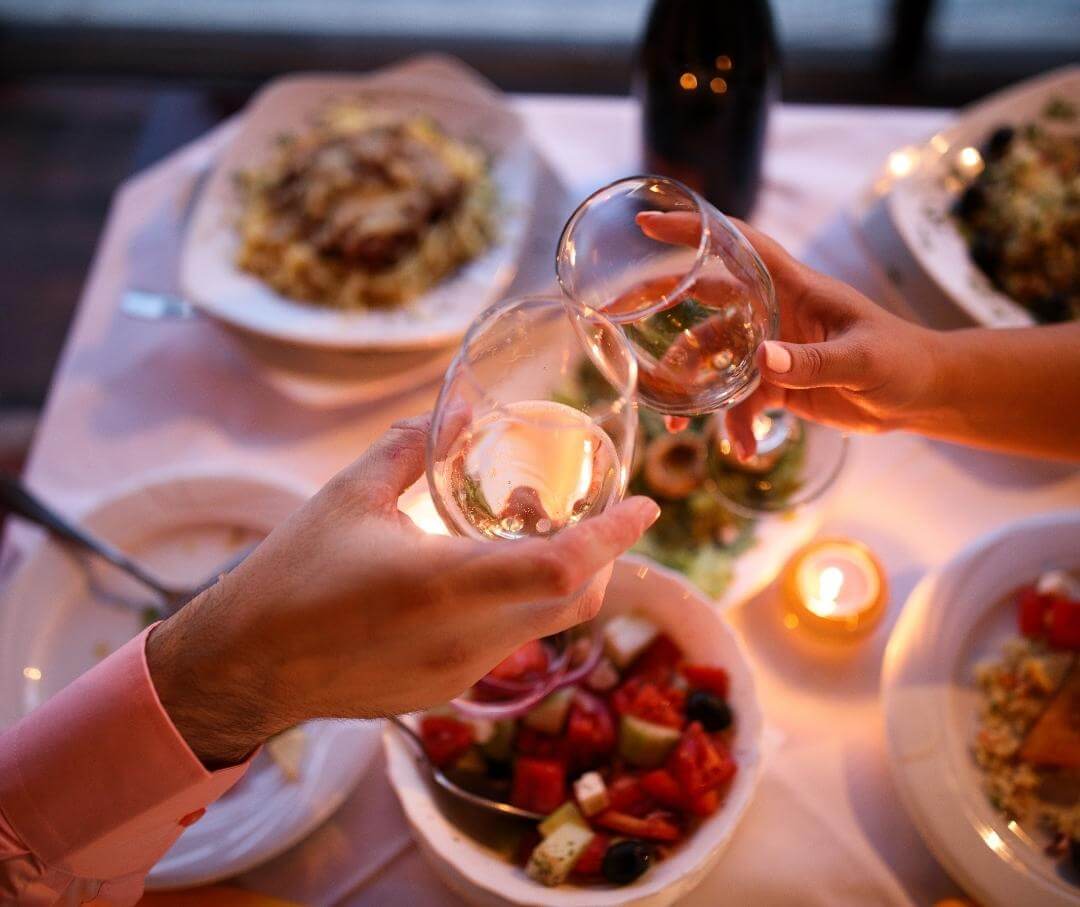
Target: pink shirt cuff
[{"x": 97, "y": 781}]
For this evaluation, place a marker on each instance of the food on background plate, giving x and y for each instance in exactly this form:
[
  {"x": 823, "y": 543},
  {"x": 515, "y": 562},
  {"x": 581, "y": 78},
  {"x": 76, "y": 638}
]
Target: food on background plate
[
  {"x": 1021, "y": 214},
  {"x": 287, "y": 752},
  {"x": 624, "y": 764},
  {"x": 366, "y": 208},
  {"x": 1028, "y": 741},
  {"x": 697, "y": 533}
]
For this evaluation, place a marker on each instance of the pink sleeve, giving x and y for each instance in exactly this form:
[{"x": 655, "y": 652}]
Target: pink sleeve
[{"x": 95, "y": 785}]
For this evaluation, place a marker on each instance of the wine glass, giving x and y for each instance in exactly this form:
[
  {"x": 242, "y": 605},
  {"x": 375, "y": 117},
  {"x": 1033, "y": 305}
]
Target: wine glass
[
  {"x": 533, "y": 431},
  {"x": 517, "y": 448},
  {"x": 796, "y": 462},
  {"x": 694, "y": 311}
]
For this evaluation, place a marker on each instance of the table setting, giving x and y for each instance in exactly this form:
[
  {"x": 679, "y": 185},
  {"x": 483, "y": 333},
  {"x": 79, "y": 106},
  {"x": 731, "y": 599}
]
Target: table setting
[{"x": 846, "y": 587}]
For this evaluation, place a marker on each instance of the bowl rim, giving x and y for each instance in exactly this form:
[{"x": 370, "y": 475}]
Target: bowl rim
[{"x": 698, "y": 851}]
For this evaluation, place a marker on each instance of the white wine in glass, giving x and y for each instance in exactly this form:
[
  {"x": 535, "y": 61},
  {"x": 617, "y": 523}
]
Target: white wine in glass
[
  {"x": 505, "y": 460},
  {"x": 531, "y": 468}
]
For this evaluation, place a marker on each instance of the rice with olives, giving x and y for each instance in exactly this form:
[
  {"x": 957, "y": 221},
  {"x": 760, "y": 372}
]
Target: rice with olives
[
  {"x": 1015, "y": 690},
  {"x": 1021, "y": 219}
]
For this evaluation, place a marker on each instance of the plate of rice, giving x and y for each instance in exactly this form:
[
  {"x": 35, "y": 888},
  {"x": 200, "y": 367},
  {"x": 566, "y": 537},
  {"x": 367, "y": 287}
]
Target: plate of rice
[
  {"x": 990, "y": 206},
  {"x": 982, "y": 705},
  {"x": 364, "y": 212}
]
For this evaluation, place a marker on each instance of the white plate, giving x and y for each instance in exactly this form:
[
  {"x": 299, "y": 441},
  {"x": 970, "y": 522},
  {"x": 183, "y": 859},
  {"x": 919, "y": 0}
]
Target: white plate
[
  {"x": 481, "y": 876},
  {"x": 954, "y": 617},
  {"x": 55, "y": 615},
  {"x": 330, "y": 379},
  {"x": 465, "y": 107},
  {"x": 921, "y": 204}
]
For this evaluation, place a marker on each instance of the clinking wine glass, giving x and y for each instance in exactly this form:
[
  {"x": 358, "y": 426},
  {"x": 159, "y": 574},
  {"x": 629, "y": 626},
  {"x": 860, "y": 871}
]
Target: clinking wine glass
[
  {"x": 694, "y": 306},
  {"x": 516, "y": 451},
  {"x": 694, "y": 309}
]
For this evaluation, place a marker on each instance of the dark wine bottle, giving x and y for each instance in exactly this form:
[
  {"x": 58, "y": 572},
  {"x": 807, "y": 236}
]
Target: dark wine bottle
[{"x": 707, "y": 74}]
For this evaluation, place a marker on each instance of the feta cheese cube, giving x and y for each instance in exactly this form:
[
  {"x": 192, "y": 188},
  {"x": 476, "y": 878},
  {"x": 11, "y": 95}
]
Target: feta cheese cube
[{"x": 591, "y": 794}]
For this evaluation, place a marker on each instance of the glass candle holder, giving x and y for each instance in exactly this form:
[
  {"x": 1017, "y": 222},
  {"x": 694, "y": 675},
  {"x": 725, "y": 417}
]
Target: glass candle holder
[{"x": 836, "y": 587}]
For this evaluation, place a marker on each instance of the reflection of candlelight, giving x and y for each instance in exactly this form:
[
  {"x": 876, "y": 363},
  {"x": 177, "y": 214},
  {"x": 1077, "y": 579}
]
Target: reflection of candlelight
[
  {"x": 422, "y": 512},
  {"x": 774, "y": 430},
  {"x": 836, "y": 586}
]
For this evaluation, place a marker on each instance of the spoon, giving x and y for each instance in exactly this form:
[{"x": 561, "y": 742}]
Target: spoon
[
  {"x": 440, "y": 778},
  {"x": 16, "y": 498}
]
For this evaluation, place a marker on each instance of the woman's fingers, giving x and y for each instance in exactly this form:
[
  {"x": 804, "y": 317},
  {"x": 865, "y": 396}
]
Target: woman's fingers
[
  {"x": 739, "y": 420},
  {"x": 833, "y": 363},
  {"x": 678, "y": 228}
]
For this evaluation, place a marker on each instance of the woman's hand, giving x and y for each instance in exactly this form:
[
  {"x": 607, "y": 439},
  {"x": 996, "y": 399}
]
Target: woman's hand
[
  {"x": 841, "y": 359},
  {"x": 846, "y": 362},
  {"x": 349, "y": 610}
]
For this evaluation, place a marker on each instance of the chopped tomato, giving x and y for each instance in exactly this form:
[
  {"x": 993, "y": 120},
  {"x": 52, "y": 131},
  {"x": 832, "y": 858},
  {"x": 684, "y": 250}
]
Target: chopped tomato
[
  {"x": 539, "y": 784},
  {"x": 445, "y": 739},
  {"x": 654, "y": 827},
  {"x": 590, "y": 730},
  {"x": 531, "y": 742},
  {"x": 705, "y": 804},
  {"x": 661, "y": 785},
  {"x": 531, "y": 660},
  {"x": 657, "y": 663},
  {"x": 1064, "y": 623},
  {"x": 651, "y": 705},
  {"x": 1033, "y": 612},
  {"x": 626, "y": 795},
  {"x": 624, "y": 695},
  {"x": 700, "y": 764},
  {"x": 591, "y": 861},
  {"x": 709, "y": 679},
  {"x": 677, "y": 697}
]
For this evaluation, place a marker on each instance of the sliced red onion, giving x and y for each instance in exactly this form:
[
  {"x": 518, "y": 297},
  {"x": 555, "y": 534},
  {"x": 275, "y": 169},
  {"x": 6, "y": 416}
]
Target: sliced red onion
[
  {"x": 556, "y": 664},
  {"x": 591, "y": 661},
  {"x": 560, "y": 676}
]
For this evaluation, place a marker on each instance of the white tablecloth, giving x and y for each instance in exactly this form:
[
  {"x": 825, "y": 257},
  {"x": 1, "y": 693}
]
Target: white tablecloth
[{"x": 130, "y": 398}]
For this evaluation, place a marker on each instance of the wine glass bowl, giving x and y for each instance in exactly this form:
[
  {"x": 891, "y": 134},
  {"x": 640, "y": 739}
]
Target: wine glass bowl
[
  {"x": 796, "y": 462},
  {"x": 690, "y": 294},
  {"x": 513, "y": 452}
]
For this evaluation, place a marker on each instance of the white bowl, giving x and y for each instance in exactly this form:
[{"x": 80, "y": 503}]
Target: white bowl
[
  {"x": 921, "y": 204},
  {"x": 955, "y": 617},
  {"x": 466, "y": 107},
  {"x": 480, "y": 875}
]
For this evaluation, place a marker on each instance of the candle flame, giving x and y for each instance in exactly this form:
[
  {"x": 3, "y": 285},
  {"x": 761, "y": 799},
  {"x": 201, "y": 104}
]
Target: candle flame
[{"x": 830, "y": 582}]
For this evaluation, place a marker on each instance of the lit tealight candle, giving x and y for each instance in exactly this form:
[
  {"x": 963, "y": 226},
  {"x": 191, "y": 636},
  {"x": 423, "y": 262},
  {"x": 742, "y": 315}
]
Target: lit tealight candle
[{"x": 836, "y": 586}]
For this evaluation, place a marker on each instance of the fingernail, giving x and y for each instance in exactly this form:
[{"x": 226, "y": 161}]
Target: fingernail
[
  {"x": 650, "y": 511},
  {"x": 777, "y": 358}
]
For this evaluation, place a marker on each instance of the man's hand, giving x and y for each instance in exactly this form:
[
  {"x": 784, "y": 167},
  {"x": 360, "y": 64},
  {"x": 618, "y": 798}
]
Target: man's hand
[{"x": 349, "y": 610}]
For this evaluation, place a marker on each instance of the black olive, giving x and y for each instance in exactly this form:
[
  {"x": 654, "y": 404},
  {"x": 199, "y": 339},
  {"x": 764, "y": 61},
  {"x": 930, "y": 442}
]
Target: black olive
[
  {"x": 625, "y": 861},
  {"x": 999, "y": 142},
  {"x": 708, "y": 708},
  {"x": 985, "y": 252},
  {"x": 1051, "y": 308},
  {"x": 971, "y": 201},
  {"x": 1074, "y": 853}
]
